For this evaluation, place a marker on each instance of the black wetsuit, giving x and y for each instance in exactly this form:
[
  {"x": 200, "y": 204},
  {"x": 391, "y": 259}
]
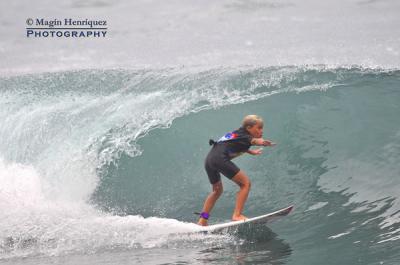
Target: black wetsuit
[{"x": 223, "y": 151}]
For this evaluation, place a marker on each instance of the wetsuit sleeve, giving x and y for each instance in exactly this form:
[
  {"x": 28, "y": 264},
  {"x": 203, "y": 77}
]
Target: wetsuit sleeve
[
  {"x": 250, "y": 138},
  {"x": 245, "y": 138}
]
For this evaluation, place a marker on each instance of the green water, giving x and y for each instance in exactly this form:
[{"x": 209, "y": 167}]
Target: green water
[{"x": 136, "y": 146}]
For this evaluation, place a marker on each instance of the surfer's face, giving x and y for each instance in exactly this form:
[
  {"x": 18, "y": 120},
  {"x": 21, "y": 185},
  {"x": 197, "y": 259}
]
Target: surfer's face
[{"x": 256, "y": 130}]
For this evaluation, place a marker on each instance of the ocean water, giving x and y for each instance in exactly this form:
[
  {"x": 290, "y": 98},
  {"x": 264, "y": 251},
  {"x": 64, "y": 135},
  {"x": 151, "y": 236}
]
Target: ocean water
[{"x": 102, "y": 142}]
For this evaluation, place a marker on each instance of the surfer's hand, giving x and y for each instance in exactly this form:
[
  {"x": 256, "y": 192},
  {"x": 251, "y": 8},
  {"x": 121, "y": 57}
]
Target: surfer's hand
[
  {"x": 258, "y": 151},
  {"x": 255, "y": 152},
  {"x": 268, "y": 143}
]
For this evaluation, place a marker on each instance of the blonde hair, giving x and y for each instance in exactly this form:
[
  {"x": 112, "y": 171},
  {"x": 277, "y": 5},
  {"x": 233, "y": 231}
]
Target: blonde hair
[{"x": 251, "y": 120}]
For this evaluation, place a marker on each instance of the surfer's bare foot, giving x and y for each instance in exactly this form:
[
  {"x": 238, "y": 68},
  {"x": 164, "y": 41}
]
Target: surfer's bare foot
[
  {"x": 238, "y": 217},
  {"x": 202, "y": 222}
]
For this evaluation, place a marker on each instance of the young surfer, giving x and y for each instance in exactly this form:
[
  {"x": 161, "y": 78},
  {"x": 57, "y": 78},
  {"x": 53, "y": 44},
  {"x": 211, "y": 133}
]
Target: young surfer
[{"x": 219, "y": 161}]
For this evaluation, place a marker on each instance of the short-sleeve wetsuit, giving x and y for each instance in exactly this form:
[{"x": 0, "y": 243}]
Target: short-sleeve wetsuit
[{"x": 223, "y": 151}]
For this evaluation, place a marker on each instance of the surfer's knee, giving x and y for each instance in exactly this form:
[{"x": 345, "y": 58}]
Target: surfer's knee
[
  {"x": 246, "y": 184},
  {"x": 218, "y": 189},
  {"x": 249, "y": 184},
  {"x": 242, "y": 180}
]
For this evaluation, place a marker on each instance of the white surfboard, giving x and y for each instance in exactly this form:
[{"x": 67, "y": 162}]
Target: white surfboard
[{"x": 266, "y": 218}]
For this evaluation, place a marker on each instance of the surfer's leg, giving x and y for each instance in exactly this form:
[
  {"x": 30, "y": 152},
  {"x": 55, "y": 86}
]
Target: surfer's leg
[
  {"x": 215, "y": 179},
  {"x": 244, "y": 183},
  {"x": 217, "y": 190}
]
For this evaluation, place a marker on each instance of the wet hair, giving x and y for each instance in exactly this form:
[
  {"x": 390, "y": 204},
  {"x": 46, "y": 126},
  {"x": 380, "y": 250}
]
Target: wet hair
[{"x": 251, "y": 120}]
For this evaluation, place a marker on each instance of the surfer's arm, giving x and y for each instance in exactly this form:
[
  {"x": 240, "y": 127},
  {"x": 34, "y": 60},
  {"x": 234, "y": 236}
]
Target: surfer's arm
[{"x": 262, "y": 142}]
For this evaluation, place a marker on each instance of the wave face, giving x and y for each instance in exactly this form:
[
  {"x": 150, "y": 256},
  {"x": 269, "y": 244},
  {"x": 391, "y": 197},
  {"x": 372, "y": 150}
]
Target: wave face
[{"x": 107, "y": 161}]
